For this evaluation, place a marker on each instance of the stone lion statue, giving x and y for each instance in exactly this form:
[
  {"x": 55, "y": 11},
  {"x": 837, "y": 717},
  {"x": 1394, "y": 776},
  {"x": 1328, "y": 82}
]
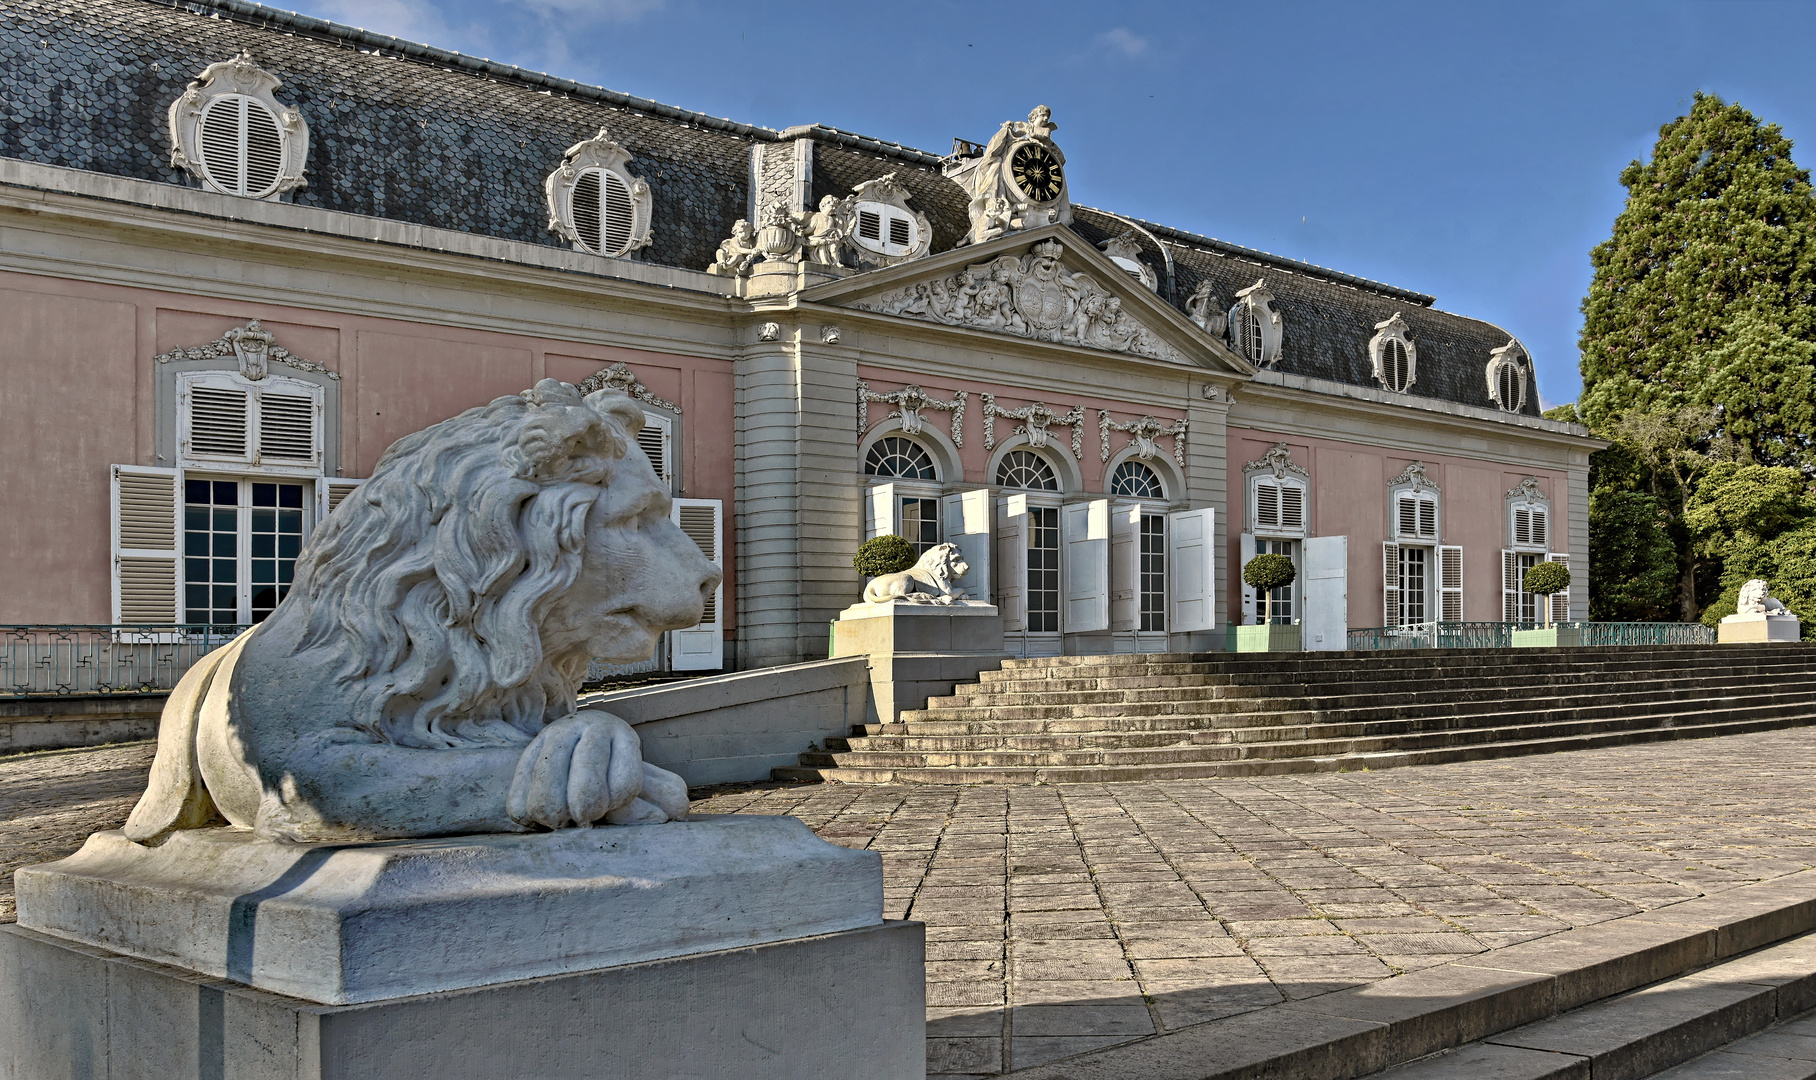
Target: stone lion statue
[
  {"x": 1755, "y": 601},
  {"x": 420, "y": 677},
  {"x": 928, "y": 581}
]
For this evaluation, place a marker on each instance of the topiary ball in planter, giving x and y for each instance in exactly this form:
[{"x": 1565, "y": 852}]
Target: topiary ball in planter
[
  {"x": 883, "y": 555},
  {"x": 1547, "y": 578},
  {"x": 1269, "y": 571}
]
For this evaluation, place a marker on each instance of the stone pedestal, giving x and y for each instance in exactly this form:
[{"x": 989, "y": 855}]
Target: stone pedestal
[
  {"x": 919, "y": 651},
  {"x": 724, "y": 945},
  {"x": 1756, "y": 627},
  {"x": 828, "y": 1007}
]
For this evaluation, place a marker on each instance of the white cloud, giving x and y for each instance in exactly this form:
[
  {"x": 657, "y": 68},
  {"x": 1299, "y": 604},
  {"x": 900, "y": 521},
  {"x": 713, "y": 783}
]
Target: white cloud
[
  {"x": 1124, "y": 41},
  {"x": 412, "y": 20}
]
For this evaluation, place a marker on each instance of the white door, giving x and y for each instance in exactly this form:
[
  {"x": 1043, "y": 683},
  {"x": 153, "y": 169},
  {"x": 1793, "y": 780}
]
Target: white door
[
  {"x": 702, "y": 647},
  {"x": 1192, "y": 569},
  {"x": 1325, "y": 592},
  {"x": 879, "y": 511},
  {"x": 1012, "y": 561},
  {"x": 1125, "y": 568},
  {"x": 967, "y": 522},
  {"x": 1086, "y": 567}
]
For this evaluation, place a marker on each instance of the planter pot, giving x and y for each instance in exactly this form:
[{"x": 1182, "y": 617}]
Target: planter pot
[
  {"x": 1569, "y": 637},
  {"x": 1270, "y": 638}
]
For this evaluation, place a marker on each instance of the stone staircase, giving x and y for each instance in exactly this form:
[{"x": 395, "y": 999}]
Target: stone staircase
[{"x": 1096, "y": 719}]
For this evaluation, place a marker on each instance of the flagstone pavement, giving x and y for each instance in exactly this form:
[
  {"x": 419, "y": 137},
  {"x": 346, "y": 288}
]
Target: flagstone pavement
[{"x": 1067, "y": 918}]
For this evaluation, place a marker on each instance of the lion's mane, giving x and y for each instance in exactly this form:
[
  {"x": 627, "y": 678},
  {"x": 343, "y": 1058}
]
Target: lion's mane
[{"x": 434, "y": 577}]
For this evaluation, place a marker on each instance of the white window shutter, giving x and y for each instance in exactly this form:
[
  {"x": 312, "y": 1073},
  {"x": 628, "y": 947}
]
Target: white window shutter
[
  {"x": 1192, "y": 569},
  {"x": 1249, "y": 604},
  {"x": 1450, "y": 584},
  {"x": 1012, "y": 561},
  {"x": 289, "y": 426},
  {"x": 1292, "y": 507},
  {"x": 1560, "y": 601},
  {"x": 1125, "y": 567},
  {"x": 1428, "y": 519},
  {"x": 1390, "y": 584},
  {"x": 1522, "y": 525},
  {"x": 880, "y": 506},
  {"x": 1540, "y": 535},
  {"x": 702, "y": 647},
  {"x": 657, "y": 441},
  {"x": 966, "y": 518},
  {"x": 1408, "y": 523},
  {"x": 147, "y": 537},
  {"x": 1267, "y": 506},
  {"x": 330, "y": 492},
  {"x": 214, "y": 421},
  {"x": 1510, "y": 586},
  {"x": 1085, "y": 566}
]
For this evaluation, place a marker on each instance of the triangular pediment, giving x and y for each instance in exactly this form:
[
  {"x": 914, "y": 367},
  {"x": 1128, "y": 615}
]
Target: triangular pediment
[{"x": 1047, "y": 284}]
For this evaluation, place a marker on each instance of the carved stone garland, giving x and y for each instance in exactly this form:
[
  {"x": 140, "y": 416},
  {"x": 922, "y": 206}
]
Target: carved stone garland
[
  {"x": 1037, "y": 418},
  {"x": 1279, "y": 461},
  {"x": 1528, "y": 491},
  {"x": 909, "y": 401},
  {"x": 618, "y": 377},
  {"x": 1414, "y": 477},
  {"x": 1143, "y": 432},
  {"x": 1030, "y": 296},
  {"x": 254, "y": 347}
]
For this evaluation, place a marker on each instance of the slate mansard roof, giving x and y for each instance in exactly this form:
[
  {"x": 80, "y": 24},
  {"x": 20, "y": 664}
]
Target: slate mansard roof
[{"x": 418, "y": 134}]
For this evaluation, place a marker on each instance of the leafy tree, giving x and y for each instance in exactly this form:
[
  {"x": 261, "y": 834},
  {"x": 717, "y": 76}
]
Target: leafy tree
[
  {"x": 1632, "y": 559},
  {"x": 887, "y": 554},
  {"x": 1544, "y": 579},
  {"x": 1269, "y": 571},
  {"x": 1704, "y": 297},
  {"x": 1760, "y": 522}
]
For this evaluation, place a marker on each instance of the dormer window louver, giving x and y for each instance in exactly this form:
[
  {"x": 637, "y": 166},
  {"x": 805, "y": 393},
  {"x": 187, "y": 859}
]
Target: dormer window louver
[
  {"x": 242, "y": 146},
  {"x": 596, "y": 203},
  {"x": 235, "y": 137}
]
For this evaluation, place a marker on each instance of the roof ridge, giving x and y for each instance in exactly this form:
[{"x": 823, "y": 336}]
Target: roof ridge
[{"x": 1282, "y": 261}]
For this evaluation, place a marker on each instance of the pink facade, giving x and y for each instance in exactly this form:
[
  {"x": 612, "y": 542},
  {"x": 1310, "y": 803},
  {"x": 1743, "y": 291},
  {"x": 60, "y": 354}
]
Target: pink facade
[
  {"x": 1349, "y": 497},
  {"x": 396, "y": 377}
]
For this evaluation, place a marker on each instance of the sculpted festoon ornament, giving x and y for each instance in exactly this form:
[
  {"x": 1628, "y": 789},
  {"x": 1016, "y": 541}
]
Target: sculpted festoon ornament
[
  {"x": 1018, "y": 182},
  {"x": 420, "y": 678},
  {"x": 1032, "y": 296}
]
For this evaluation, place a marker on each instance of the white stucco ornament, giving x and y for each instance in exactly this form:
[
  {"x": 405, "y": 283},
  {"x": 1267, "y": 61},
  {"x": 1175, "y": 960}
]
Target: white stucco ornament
[
  {"x": 1018, "y": 181},
  {"x": 928, "y": 581},
  {"x": 420, "y": 678}
]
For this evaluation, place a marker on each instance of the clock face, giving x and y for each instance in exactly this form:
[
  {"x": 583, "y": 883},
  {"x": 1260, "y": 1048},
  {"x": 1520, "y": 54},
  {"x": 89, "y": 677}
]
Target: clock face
[{"x": 1037, "y": 172}]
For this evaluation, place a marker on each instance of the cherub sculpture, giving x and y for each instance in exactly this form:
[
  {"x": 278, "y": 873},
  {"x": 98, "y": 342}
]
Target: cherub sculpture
[{"x": 737, "y": 253}]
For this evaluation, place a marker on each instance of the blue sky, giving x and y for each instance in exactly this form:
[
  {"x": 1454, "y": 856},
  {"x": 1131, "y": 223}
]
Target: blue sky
[{"x": 1466, "y": 150}]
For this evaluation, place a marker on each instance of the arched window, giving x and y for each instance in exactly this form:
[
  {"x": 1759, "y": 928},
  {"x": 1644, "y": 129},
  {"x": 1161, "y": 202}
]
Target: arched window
[
  {"x": 885, "y": 229},
  {"x": 1245, "y": 333},
  {"x": 595, "y": 202},
  {"x": 1136, "y": 481},
  {"x": 1255, "y": 327},
  {"x": 232, "y": 135},
  {"x": 1395, "y": 357},
  {"x": 898, "y": 457},
  {"x": 1507, "y": 376},
  {"x": 1026, "y": 470}
]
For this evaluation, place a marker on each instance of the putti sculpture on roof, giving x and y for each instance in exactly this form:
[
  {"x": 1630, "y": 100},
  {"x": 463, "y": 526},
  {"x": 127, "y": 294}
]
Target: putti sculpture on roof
[
  {"x": 1018, "y": 182},
  {"x": 420, "y": 678}
]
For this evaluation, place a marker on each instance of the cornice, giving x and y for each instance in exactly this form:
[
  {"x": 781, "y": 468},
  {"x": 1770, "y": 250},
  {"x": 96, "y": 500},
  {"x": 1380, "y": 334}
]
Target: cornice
[{"x": 1404, "y": 410}]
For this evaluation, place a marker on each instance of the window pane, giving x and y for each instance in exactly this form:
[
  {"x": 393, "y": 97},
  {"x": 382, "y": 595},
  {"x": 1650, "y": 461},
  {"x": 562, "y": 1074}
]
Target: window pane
[
  {"x": 264, "y": 546},
  {"x": 264, "y": 520},
  {"x": 226, "y": 521},
  {"x": 264, "y": 494},
  {"x": 226, "y": 493},
  {"x": 196, "y": 492},
  {"x": 290, "y": 495}
]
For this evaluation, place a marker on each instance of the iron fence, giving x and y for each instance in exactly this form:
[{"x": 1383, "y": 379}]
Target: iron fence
[
  {"x": 101, "y": 659},
  {"x": 1499, "y": 635}
]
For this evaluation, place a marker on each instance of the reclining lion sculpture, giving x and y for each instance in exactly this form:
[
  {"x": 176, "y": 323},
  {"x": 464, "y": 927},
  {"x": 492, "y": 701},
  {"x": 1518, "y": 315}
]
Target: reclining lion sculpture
[
  {"x": 928, "y": 581},
  {"x": 420, "y": 677}
]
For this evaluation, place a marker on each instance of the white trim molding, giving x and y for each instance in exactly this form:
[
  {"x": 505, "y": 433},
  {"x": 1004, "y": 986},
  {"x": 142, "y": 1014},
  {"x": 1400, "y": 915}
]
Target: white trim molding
[{"x": 233, "y": 101}]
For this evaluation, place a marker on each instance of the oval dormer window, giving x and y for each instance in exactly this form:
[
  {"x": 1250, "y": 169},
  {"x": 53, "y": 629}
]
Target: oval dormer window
[
  {"x": 886, "y": 230},
  {"x": 242, "y": 146},
  {"x": 605, "y": 214}
]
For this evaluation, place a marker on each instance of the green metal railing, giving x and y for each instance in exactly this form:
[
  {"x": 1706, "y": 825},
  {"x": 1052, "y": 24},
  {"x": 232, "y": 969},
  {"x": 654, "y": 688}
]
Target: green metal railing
[
  {"x": 1499, "y": 635},
  {"x": 143, "y": 658}
]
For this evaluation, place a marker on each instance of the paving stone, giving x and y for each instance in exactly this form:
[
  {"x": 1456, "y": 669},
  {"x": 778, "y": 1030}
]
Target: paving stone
[{"x": 1073, "y": 1020}]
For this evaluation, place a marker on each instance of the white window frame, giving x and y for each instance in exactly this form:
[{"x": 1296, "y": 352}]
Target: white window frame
[
  {"x": 1256, "y": 329},
  {"x": 1527, "y": 505},
  {"x": 599, "y": 154},
  {"x": 223, "y": 83},
  {"x": 668, "y": 471},
  {"x": 312, "y": 499},
  {"x": 1279, "y": 528},
  {"x": 1512, "y": 356},
  {"x": 252, "y": 458},
  {"x": 887, "y": 218}
]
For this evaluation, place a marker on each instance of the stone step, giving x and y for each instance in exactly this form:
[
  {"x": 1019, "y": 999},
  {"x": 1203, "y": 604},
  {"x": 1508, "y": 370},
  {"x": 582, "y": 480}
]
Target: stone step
[
  {"x": 1618, "y": 999},
  {"x": 1258, "y": 766},
  {"x": 1752, "y": 1012},
  {"x": 1407, "y": 734},
  {"x": 1196, "y": 714}
]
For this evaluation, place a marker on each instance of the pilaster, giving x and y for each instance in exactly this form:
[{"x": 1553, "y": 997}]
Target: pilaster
[
  {"x": 830, "y": 514},
  {"x": 1207, "y": 410},
  {"x": 1576, "y": 518},
  {"x": 767, "y": 500}
]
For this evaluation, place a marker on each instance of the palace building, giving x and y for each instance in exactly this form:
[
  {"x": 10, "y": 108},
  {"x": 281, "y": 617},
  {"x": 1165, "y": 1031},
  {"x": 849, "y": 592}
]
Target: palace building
[{"x": 243, "y": 251}]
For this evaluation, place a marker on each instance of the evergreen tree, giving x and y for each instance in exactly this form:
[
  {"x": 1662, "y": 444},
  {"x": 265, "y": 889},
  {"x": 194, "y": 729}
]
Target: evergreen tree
[
  {"x": 1632, "y": 559},
  {"x": 1705, "y": 294}
]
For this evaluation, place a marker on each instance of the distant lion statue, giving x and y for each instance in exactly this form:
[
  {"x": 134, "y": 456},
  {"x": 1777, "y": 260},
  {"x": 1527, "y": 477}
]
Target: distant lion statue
[
  {"x": 420, "y": 677},
  {"x": 1755, "y": 601},
  {"x": 928, "y": 581}
]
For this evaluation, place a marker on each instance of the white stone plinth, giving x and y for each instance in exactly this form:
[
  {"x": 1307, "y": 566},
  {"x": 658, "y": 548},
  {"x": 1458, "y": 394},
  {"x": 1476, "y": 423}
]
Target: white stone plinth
[
  {"x": 346, "y": 923},
  {"x": 1754, "y": 627}
]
